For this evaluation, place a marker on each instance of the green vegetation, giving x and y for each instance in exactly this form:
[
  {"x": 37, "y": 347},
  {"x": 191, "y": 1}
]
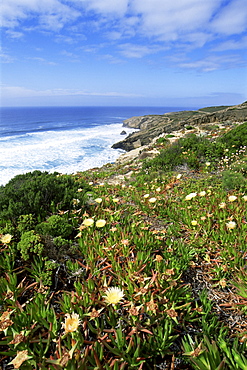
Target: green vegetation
[
  {"x": 38, "y": 193},
  {"x": 194, "y": 150},
  {"x": 149, "y": 273}
]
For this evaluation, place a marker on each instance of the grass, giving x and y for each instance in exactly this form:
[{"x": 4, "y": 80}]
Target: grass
[{"x": 153, "y": 276}]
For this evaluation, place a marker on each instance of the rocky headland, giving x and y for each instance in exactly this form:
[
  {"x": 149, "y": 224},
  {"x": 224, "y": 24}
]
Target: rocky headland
[{"x": 151, "y": 127}]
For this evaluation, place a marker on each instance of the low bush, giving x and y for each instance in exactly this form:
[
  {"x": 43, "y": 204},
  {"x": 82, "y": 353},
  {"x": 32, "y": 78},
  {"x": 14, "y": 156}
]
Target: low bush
[
  {"x": 39, "y": 193},
  {"x": 55, "y": 226},
  {"x": 235, "y": 138}
]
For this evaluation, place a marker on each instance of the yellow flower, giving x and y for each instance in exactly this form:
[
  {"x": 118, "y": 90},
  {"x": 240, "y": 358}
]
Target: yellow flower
[
  {"x": 232, "y": 198},
  {"x": 6, "y": 238},
  {"x": 194, "y": 222},
  {"x": 100, "y": 223},
  {"x": 190, "y": 196},
  {"x": 115, "y": 200},
  {"x": 152, "y": 200},
  {"x": 71, "y": 323},
  {"x": 19, "y": 359},
  {"x": 231, "y": 225},
  {"x": 222, "y": 205},
  {"x": 98, "y": 200},
  {"x": 113, "y": 295},
  {"x": 202, "y": 193},
  {"x": 88, "y": 222}
]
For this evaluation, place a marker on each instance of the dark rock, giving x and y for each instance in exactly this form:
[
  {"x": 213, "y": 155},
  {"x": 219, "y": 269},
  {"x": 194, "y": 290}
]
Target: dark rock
[{"x": 123, "y": 133}]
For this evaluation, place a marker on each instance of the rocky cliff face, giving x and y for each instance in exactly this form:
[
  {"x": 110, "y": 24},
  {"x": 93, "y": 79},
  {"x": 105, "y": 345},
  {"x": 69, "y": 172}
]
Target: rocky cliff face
[{"x": 152, "y": 126}]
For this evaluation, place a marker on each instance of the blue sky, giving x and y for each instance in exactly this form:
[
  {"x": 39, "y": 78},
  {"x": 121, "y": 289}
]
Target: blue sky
[{"x": 184, "y": 53}]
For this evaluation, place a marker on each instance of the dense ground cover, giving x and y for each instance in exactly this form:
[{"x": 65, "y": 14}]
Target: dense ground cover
[{"x": 149, "y": 273}]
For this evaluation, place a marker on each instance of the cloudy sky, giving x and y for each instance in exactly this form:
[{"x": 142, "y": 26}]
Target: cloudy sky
[{"x": 185, "y": 53}]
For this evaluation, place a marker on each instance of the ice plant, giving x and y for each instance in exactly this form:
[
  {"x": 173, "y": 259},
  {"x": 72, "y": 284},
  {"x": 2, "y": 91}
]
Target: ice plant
[
  {"x": 6, "y": 238},
  {"x": 231, "y": 225},
  {"x": 190, "y": 196},
  {"x": 98, "y": 200},
  {"x": 113, "y": 295},
  {"x": 71, "y": 323},
  {"x": 88, "y": 222},
  {"x": 100, "y": 223},
  {"x": 232, "y": 198}
]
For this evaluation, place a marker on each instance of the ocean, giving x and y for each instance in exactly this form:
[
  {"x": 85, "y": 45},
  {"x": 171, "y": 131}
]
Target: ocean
[{"x": 62, "y": 139}]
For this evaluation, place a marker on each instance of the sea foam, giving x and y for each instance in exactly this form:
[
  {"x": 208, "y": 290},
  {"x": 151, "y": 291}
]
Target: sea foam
[{"x": 64, "y": 151}]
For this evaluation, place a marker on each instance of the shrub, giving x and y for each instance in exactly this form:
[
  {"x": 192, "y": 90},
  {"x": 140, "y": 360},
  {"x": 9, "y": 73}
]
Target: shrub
[
  {"x": 30, "y": 244},
  {"x": 233, "y": 181},
  {"x": 55, "y": 226},
  {"x": 191, "y": 150},
  {"x": 38, "y": 193},
  {"x": 236, "y": 138}
]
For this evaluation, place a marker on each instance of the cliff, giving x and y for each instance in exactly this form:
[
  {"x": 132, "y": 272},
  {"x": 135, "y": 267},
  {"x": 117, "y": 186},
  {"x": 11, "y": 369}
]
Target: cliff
[{"x": 152, "y": 126}]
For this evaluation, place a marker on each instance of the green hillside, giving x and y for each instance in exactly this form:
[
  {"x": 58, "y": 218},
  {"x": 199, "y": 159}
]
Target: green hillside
[{"x": 135, "y": 265}]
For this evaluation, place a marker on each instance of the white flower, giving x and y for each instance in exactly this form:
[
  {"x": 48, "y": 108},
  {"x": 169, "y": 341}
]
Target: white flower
[
  {"x": 194, "y": 222},
  {"x": 190, "y": 196},
  {"x": 71, "y": 323},
  {"x": 146, "y": 196},
  {"x": 232, "y": 198},
  {"x": 179, "y": 176},
  {"x": 113, "y": 295},
  {"x": 88, "y": 222},
  {"x": 207, "y": 164},
  {"x": 231, "y": 225},
  {"x": 100, "y": 223},
  {"x": 6, "y": 238},
  {"x": 98, "y": 200},
  {"x": 152, "y": 200},
  {"x": 202, "y": 193}
]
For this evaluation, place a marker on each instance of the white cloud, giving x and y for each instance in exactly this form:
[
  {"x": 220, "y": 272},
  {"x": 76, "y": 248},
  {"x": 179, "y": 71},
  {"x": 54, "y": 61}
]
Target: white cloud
[
  {"x": 5, "y": 58},
  {"x": 232, "y": 19},
  {"x": 137, "y": 51},
  {"x": 52, "y": 14},
  {"x": 23, "y": 92},
  {"x": 43, "y": 61},
  {"x": 213, "y": 63},
  {"x": 232, "y": 45},
  {"x": 168, "y": 20},
  {"x": 105, "y": 7}
]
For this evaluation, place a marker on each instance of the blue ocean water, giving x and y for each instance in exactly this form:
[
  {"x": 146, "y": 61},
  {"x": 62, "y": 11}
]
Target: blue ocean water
[{"x": 62, "y": 139}]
